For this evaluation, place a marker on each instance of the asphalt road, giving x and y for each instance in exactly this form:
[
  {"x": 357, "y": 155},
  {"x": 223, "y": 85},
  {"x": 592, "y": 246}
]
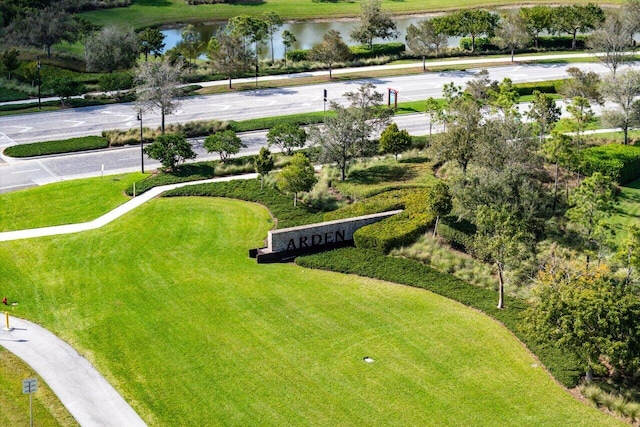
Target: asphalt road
[{"x": 16, "y": 174}]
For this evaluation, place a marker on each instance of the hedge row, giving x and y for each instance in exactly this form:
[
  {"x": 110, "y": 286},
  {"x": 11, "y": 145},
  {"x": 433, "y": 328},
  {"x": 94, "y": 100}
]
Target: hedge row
[
  {"x": 370, "y": 263},
  {"x": 620, "y": 162},
  {"x": 549, "y": 86},
  {"x": 357, "y": 52},
  {"x": 485, "y": 44},
  {"x": 457, "y": 234},
  {"x": 399, "y": 230},
  {"x": 280, "y": 205},
  {"x": 57, "y": 147}
]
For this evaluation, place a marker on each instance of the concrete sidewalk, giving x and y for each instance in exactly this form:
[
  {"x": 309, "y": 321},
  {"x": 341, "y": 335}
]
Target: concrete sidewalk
[
  {"x": 110, "y": 216},
  {"x": 82, "y": 390}
]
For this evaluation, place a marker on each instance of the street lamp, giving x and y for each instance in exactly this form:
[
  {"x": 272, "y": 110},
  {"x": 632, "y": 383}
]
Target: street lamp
[
  {"x": 39, "y": 83},
  {"x": 141, "y": 140}
]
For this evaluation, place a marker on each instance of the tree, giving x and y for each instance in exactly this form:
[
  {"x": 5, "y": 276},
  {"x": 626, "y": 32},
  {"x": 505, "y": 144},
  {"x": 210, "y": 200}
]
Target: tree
[
  {"x": 251, "y": 29},
  {"x": 83, "y": 28},
  {"x": 511, "y": 33},
  {"x": 622, "y": 90},
  {"x": 473, "y": 23},
  {"x": 557, "y": 149},
  {"x": 374, "y": 23},
  {"x": 463, "y": 133},
  {"x": 338, "y": 139},
  {"x": 629, "y": 251},
  {"x": 151, "y": 41},
  {"x": 424, "y": 39},
  {"x": 537, "y": 19},
  {"x": 116, "y": 82},
  {"x": 577, "y": 18},
  {"x": 263, "y": 164},
  {"x": 590, "y": 204},
  {"x": 226, "y": 143},
  {"x": 298, "y": 176},
  {"x": 41, "y": 28},
  {"x": 611, "y": 42},
  {"x": 191, "y": 41},
  {"x": 330, "y": 50},
  {"x": 440, "y": 202},
  {"x": 394, "y": 141},
  {"x": 502, "y": 239},
  {"x": 544, "y": 112},
  {"x": 157, "y": 86},
  {"x": 585, "y": 84},
  {"x": 65, "y": 87},
  {"x": 433, "y": 109},
  {"x": 171, "y": 149},
  {"x": 631, "y": 15},
  {"x": 287, "y": 136},
  {"x": 585, "y": 313},
  {"x": 274, "y": 22},
  {"x": 370, "y": 115},
  {"x": 112, "y": 48},
  {"x": 9, "y": 61},
  {"x": 227, "y": 55},
  {"x": 288, "y": 39}
]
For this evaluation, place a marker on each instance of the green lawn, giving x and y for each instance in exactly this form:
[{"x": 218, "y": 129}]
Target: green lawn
[
  {"x": 627, "y": 210},
  {"x": 155, "y": 12},
  {"x": 166, "y": 303},
  {"x": 64, "y": 202}
]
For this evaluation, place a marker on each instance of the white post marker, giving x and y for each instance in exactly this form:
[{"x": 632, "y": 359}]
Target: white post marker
[
  {"x": 30, "y": 386},
  {"x": 102, "y": 171}
]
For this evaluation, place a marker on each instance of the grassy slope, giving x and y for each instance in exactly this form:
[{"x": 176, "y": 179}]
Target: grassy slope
[
  {"x": 14, "y": 406},
  {"x": 168, "y": 306},
  {"x": 50, "y": 204},
  {"x": 627, "y": 210},
  {"x": 154, "y": 12}
]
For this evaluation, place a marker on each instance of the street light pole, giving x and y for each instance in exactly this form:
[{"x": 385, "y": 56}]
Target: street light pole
[
  {"x": 39, "y": 83},
  {"x": 141, "y": 141}
]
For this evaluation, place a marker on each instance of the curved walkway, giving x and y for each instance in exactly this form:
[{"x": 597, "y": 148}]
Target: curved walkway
[
  {"x": 110, "y": 216},
  {"x": 90, "y": 399}
]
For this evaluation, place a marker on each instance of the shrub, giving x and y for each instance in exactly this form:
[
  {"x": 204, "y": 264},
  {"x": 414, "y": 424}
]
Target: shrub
[
  {"x": 560, "y": 42},
  {"x": 298, "y": 55},
  {"x": 620, "y": 162},
  {"x": 249, "y": 190},
  {"x": 457, "y": 234},
  {"x": 482, "y": 44},
  {"x": 381, "y": 49},
  {"x": 370, "y": 263},
  {"x": 57, "y": 147},
  {"x": 549, "y": 86}
]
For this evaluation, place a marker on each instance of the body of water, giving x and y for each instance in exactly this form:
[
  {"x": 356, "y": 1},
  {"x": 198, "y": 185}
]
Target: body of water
[{"x": 307, "y": 34}]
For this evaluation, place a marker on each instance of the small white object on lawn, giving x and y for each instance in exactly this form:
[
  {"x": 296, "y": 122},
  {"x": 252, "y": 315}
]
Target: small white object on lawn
[{"x": 368, "y": 359}]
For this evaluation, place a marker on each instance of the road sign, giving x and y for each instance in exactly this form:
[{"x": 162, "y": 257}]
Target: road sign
[{"x": 30, "y": 385}]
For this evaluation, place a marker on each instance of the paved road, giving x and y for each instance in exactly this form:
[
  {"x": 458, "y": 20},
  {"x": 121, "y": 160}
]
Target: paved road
[{"x": 251, "y": 104}]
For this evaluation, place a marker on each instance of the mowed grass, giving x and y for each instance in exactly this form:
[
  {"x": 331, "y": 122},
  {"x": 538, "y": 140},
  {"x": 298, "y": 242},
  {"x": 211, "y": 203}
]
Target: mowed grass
[
  {"x": 627, "y": 210},
  {"x": 166, "y": 303},
  {"x": 14, "y": 405},
  {"x": 144, "y": 13},
  {"x": 65, "y": 202}
]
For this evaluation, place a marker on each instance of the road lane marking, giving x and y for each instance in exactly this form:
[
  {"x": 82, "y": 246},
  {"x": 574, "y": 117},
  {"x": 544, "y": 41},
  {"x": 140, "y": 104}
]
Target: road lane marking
[
  {"x": 25, "y": 171},
  {"x": 31, "y": 184},
  {"x": 77, "y": 122},
  {"x": 47, "y": 169}
]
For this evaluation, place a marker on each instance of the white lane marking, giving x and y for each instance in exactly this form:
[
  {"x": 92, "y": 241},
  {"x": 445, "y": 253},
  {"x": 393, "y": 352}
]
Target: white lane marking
[
  {"x": 25, "y": 171},
  {"x": 24, "y": 128},
  {"x": 77, "y": 122},
  {"x": 126, "y": 159},
  {"x": 3, "y": 138}
]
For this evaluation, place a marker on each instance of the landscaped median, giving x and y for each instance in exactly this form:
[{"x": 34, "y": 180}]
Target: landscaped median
[{"x": 84, "y": 143}]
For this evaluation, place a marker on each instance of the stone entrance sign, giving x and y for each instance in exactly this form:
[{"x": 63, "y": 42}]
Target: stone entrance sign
[{"x": 290, "y": 242}]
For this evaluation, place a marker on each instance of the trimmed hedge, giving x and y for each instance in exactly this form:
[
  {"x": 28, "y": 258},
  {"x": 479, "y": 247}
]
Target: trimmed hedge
[
  {"x": 57, "y": 147},
  {"x": 483, "y": 44},
  {"x": 373, "y": 264},
  {"x": 457, "y": 234},
  {"x": 280, "y": 205},
  {"x": 550, "y": 87},
  {"x": 382, "y": 49},
  {"x": 399, "y": 230},
  {"x": 620, "y": 162}
]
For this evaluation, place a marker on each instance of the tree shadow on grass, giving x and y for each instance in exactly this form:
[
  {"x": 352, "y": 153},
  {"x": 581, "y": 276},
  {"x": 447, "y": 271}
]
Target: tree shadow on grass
[{"x": 381, "y": 173}]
